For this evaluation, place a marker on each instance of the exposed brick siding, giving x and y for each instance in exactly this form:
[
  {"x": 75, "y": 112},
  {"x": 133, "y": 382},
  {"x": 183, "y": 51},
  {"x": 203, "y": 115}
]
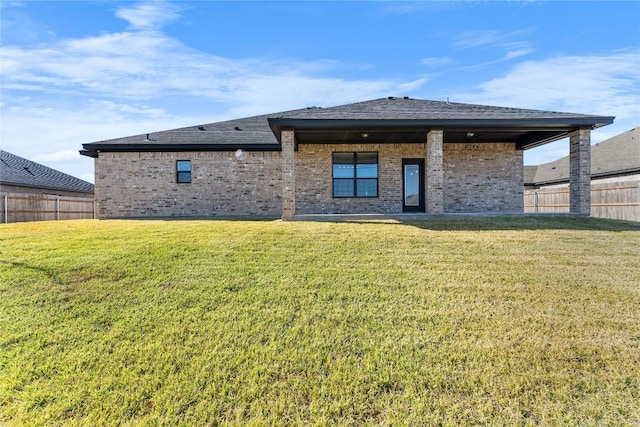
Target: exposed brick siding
[
  {"x": 580, "y": 172},
  {"x": 483, "y": 178},
  {"x": 314, "y": 186},
  {"x": 144, "y": 185},
  {"x": 477, "y": 178}
]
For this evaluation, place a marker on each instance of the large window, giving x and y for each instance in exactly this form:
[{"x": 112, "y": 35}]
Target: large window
[
  {"x": 355, "y": 174},
  {"x": 183, "y": 171}
]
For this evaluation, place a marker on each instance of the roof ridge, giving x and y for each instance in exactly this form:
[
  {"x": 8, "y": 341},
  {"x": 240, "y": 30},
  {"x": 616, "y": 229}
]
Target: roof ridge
[{"x": 391, "y": 102}]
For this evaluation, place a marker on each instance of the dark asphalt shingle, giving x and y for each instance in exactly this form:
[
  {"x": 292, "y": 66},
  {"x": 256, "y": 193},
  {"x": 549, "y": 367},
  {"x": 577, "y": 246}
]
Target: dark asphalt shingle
[
  {"x": 616, "y": 155},
  {"x": 16, "y": 170},
  {"x": 420, "y": 109},
  {"x": 255, "y": 132}
]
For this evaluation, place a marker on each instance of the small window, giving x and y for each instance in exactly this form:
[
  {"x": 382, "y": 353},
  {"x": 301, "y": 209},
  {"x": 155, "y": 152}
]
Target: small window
[
  {"x": 183, "y": 171},
  {"x": 355, "y": 174}
]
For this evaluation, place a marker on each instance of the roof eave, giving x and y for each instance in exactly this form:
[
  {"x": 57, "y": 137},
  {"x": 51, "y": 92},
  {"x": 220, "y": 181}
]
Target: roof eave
[
  {"x": 89, "y": 153},
  {"x": 47, "y": 187},
  {"x": 547, "y": 129},
  {"x": 594, "y": 122},
  {"x": 93, "y": 149},
  {"x": 594, "y": 175}
]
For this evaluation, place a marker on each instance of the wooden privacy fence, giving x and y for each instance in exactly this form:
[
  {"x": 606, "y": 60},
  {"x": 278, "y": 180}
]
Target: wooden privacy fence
[
  {"x": 619, "y": 200},
  {"x": 19, "y": 207}
]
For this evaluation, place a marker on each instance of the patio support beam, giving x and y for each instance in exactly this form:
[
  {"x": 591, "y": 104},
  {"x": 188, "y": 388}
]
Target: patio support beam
[
  {"x": 580, "y": 171},
  {"x": 435, "y": 172},
  {"x": 288, "y": 174}
]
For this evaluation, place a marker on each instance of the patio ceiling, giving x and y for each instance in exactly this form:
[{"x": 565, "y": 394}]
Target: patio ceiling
[{"x": 524, "y": 138}]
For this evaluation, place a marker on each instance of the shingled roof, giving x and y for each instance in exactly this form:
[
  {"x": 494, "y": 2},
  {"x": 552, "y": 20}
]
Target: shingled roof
[
  {"x": 406, "y": 120},
  {"x": 393, "y": 108},
  {"x": 387, "y": 120},
  {"x": 616, "y": 156},
  {"x": 18, "y": 171},
  {"x": 250, "y": 133}
]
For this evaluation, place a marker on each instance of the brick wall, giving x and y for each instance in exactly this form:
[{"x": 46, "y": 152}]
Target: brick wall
[
  {"x": 483, "y": 178},
  {"x": 314, "y": 186},
  {"x": 144, "y": 185},
  {"x": 477, "y": 178}
]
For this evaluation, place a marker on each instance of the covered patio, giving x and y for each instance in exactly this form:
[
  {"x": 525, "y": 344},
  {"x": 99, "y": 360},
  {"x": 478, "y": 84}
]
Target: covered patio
[{"x": 434, "y": 125}]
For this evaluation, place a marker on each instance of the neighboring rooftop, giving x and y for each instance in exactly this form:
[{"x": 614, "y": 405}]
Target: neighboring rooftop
[
  {"x": 616, "y": 156},
  {"x": 18, "y": 171}
]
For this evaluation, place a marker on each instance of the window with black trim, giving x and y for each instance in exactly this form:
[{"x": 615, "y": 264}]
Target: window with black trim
[
  {"x": 355, "y": 174},
  {"x": 183, "y": 171}
]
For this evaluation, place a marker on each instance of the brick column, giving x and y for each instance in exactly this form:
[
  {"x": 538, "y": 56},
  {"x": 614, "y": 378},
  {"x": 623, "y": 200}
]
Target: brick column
[
  {"x": 435, "y": 172},
  {"x": 580, "y": 172},
  {"x": 97, "y": 187},
  {"x": 287, "y": 138}
]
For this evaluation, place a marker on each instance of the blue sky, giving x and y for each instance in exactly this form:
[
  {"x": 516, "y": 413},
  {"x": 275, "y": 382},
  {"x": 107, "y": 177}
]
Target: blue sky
[{"x": 76, "y": 72}]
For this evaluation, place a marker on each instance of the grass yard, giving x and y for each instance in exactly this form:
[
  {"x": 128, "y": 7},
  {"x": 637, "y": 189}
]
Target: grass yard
[{"x": 472, "y": 321}]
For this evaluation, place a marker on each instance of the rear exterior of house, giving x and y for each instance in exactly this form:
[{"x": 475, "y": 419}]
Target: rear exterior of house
[{"x": 386, "y": 156}]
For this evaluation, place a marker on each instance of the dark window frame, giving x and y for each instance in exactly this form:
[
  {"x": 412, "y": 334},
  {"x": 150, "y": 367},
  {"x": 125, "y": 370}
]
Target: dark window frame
[
  {"x": 183, "y": 176},
  {"x": 355, "y": 179}
]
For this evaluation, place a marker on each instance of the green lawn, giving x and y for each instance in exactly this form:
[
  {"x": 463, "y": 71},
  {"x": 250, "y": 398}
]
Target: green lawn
[{"x": 485, "y": 321}]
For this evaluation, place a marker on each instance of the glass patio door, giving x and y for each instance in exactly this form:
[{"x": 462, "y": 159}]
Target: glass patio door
[{"x": 412, "y": 185}]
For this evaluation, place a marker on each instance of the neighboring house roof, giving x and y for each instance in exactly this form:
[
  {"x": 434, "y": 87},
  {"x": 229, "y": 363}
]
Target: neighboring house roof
[
  {"x": 385, "y": 120},
  {"x": 619, "y": 155},
  {"x": 18, "y": 171}
]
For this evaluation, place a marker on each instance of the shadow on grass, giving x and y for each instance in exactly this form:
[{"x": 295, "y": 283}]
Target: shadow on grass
[
  {"x": 461, "y": 222},
  {"x": 511, "y": 223},
  {"x": 40, "y": 270}
]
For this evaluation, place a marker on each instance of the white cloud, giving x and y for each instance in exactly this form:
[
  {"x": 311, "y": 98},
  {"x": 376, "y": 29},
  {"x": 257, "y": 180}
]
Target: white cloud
[
  {"x": 150, "y": 65},
  {"x": 436, "y": 61},
  {"x": 149, "y": 15},
  {"x": 601, "y": 84},
  {"x": 508, "y": 45},
  {"x": 506, "y": 57},
  {"x": 488, "y": 38},
  {"x": 606, "y": 84},
  {"x": 58, "y": 156},
  {"x": 140, "y": 109},
  {"x": 518, "y": 53}
]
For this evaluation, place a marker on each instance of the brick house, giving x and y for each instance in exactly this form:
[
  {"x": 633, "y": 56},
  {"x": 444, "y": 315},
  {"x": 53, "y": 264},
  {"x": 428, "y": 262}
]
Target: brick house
[{"x": 385, "y": 156}]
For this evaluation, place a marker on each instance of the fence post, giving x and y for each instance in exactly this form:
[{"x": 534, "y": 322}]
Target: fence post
[
  {"x": 6, "y": 208},
  {"x": 535, "y": 202},
  {"x": 57, "y": 207}
]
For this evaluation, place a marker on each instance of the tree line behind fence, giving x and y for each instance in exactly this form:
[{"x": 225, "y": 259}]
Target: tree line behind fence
[{"x": 18, "y": 207}]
